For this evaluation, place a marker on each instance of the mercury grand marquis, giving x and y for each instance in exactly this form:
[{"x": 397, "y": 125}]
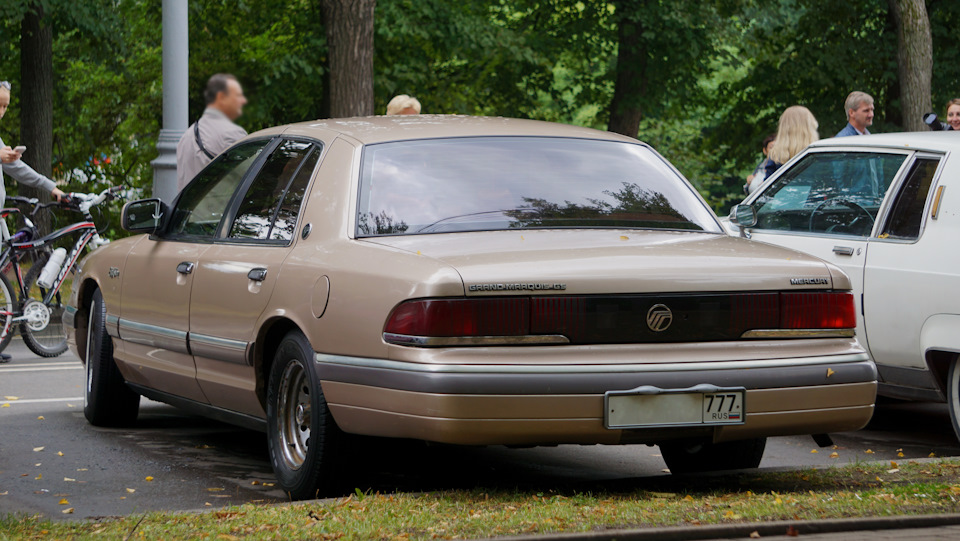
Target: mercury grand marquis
[{"x": 469, "y": 281}]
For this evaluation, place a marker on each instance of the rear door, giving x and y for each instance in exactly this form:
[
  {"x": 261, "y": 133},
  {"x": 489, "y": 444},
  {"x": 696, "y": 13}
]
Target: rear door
[
  {"x": 236, "y": 276},
  {"x": 899, "y": 276},
  {"x": 827, "y": 204},
  {"x": 159, "y": 279}
]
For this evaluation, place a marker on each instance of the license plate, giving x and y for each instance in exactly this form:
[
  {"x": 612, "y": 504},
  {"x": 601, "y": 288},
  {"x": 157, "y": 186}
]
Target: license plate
[{"x": 655, "y": 407}]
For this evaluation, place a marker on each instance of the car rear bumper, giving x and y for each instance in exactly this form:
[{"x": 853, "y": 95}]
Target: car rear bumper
[{"x": 564, "y": 403}]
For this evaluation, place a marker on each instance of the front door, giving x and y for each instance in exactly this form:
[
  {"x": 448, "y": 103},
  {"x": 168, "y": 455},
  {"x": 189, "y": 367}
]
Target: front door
[
  {"x": 236, "y": 276},
  {"x": 826, "y": 205},
  {"x": 159, "y": 279}
]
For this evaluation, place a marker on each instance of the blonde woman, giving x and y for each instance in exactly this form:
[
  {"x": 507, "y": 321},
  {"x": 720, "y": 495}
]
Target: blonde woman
[
  {"x": 403, "y": 105},
  {"x": 797, "y": 129},
  {"x": 953, "y": 114}
]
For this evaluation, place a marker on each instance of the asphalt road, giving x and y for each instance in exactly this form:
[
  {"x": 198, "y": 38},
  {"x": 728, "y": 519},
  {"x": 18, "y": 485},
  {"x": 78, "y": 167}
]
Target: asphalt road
[{"x": 175, "y": 461}]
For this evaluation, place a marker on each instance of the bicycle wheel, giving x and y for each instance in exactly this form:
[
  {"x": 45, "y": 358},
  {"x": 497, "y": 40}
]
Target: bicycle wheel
[
  {"x": 6, "y": 312},
  {"x": 42, "y": 329}
]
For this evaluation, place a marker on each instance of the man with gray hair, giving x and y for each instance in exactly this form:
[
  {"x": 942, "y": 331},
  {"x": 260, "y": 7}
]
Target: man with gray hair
[
  {"x": 215, "y": 131},
  {"x": 859, "y": 108}
]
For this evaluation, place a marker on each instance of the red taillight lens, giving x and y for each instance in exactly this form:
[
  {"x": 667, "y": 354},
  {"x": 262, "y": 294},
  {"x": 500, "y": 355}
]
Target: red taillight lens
[
  {"x": 817, "y": 311},
  {"x": 461, "y": 317}
]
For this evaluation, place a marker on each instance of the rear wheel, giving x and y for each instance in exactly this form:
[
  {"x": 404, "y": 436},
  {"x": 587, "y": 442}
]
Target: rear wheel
[
  {"x": 42, "y": 330},
  {"x": 7, "y": 304},
  {"x": 107, "y": 401},
  {"x": 706, "y": 457},
  {"x": 953, "y": 395},
  {"x": 304, "y": 440}
]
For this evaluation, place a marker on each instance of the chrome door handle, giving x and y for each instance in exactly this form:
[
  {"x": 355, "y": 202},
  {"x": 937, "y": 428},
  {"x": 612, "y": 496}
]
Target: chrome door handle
[
  {"x": 185, "y": 268},
  {"x": 257, "y": 275},
  {"x": 843, "y": 250}
]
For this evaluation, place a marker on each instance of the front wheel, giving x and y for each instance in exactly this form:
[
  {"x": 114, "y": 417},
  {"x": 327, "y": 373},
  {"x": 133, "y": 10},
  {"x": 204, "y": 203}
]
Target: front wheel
[
  {"x": 303, "y": 438},
  {"x": 685, "y": 457},
  {"x": 953, "y": 395},
  {"x": 42, "y": 326},
  {"x": 107, "y": 401}
]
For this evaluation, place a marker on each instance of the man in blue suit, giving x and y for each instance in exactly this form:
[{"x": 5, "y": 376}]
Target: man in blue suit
[{"x": 859, "y": 108}]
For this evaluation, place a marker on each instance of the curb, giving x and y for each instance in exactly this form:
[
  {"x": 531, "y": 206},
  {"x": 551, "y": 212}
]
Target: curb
[{"x": 765, "y": 529}]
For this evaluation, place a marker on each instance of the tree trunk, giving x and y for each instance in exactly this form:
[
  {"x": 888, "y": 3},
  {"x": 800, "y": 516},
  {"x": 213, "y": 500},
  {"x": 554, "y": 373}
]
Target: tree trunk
[
  {"x": 349, "y": 25},
  {"x": 630, "y": 86},
  {"x": 36, "y": 95},
  {"x": 915, "y": 59}
]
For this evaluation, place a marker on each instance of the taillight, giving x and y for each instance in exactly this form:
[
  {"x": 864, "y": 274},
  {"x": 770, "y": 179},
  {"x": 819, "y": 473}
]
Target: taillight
[
  {"x": 461, "y": 317},
  {"x": 816, "y": 310}
]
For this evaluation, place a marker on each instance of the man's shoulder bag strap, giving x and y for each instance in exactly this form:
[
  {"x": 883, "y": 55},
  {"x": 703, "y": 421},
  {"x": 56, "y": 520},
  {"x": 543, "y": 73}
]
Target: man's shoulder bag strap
[{"x": 196, "y": 134}]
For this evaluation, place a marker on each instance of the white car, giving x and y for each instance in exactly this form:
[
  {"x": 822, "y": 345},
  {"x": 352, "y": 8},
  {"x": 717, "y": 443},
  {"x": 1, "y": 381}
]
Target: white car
[{"x": 881, "y": 208}]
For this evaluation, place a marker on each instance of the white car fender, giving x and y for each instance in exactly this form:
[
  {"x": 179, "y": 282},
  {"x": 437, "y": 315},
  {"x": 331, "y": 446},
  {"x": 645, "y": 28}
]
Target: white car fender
[{"x": 939, "y": 341}]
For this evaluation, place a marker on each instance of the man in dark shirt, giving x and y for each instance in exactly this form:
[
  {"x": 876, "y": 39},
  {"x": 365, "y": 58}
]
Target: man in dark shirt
[{"x": 859, "y": 108}]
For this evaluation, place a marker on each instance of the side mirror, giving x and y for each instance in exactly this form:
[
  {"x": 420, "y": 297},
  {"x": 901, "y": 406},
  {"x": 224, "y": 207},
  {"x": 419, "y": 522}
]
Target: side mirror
[
  {"x": 144, "y": 216},
  {"x": 744, "y": 215}
]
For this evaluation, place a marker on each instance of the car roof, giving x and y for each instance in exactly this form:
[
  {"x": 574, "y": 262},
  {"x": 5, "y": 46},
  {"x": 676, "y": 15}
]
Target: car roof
[
  {"x": 937, "y": 141},
  {"x": 380, "y": 129}
]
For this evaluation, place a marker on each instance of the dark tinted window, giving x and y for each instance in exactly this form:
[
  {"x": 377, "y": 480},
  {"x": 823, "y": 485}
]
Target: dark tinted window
[
  {"x": 906, "y": 215},
  {"x": 496, "y": 183},
  {"x": 269, "y": 189},
  {"x": 203, "y": 202},
  {"x": 829, "y": 192}
]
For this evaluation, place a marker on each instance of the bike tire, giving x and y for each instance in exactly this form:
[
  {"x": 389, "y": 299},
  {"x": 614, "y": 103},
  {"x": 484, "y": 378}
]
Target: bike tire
[
  {"x": 51, "y": 339},
  {"x": 7, "y": 305}
]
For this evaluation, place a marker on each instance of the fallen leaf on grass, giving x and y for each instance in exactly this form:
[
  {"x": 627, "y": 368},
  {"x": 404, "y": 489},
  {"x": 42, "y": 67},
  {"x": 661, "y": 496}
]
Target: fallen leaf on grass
[
  {"x": 895, "y": 470},
  {"x": 894, "y": 464},
  {"x": 208, "y": 504},
  {"x": 688, "y": 498},
  {"x": 869, "y": 451},
  {"x": 67, "y": 511}
]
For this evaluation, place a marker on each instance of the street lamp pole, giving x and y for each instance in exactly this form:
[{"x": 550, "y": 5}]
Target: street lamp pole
[{"x": 175, "y": 45}]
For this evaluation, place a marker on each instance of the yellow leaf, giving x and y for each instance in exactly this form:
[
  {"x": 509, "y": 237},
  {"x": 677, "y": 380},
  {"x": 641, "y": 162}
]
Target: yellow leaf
[
  {"x": 624, "y": 237},
  {"x": 893, "y": 464},
  {"x": 830, "y": 372},
  {"x": 688, "y": 498},
  {"x": 207, "y": 504},
  {"x": 69, "y": 480},
  {"x": 37, "y": 449},
  {"x": 12, "y": 397},
  {"x": 67, "y": 511},
  {"x": 814, "y": 451},
  {"x": 879, "y": 480},
  {"x": 834, "y": 455},
  {"x": 901, "y": 455},
  {"x": 418, "y": 252},
  {"x": 5, "y": 405},
  {"x": 778, "y": 501},
  {"x": 38, "y": 477},
  {"x": 268, "y": 484},
  {"x": 895, "y": 470},
  {"x": 869, "y": 451},
  {"x": 131, "y": 490},
  {"x": 254, "y": 482},
  {"x": 215, "y": 489},
  {"x": 148, "y": 478},
  {"x": 63, "y": 501},
  {"x": 81, "y": 469},
  {"x": 40, "y": 418},
  {"x": 932, "y": 455},
  {"x": 59, "y": 453}
]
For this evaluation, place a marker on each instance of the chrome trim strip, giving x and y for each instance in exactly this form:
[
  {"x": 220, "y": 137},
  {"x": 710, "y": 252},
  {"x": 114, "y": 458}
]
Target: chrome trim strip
[
  {"x": 365, "y": 362},
  {"x": 221, "y": 349},
  {"x": 799, "y": 333},
  {"x": 113, "y": 326},
  {"x": 69, "y": 317},
  {"x": 434, "y": 341},
  {"x": 153, "y": 335}
]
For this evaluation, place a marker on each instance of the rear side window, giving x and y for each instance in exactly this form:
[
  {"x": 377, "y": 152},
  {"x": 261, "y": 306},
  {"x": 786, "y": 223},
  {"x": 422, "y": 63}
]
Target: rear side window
[
  {"x": 276, "y": 193},
  {"x": 906, "y": 215}
]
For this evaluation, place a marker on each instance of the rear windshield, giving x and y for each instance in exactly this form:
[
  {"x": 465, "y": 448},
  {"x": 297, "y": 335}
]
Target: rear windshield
[{"x": 498, "y": 183}]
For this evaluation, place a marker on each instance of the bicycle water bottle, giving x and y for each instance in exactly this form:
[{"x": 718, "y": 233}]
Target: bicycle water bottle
[{"x": 52, "y": 268}]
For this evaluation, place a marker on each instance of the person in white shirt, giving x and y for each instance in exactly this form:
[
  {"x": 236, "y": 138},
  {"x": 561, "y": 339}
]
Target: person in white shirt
[{"x": 214, "y": 131}]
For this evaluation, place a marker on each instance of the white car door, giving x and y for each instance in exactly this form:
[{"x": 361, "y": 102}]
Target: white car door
[{"x": 826, "y": 203}]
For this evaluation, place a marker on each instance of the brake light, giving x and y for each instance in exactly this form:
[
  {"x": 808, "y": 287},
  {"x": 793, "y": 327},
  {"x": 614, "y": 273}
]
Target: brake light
[
  {"x": 817, "y": 311},
  {"x": 461, "y": 317}
]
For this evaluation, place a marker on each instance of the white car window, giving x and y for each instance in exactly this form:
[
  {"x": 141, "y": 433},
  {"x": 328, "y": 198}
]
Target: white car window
[
  {"x": 829, "y": 192},
  {"x": 906, "y": 215}
]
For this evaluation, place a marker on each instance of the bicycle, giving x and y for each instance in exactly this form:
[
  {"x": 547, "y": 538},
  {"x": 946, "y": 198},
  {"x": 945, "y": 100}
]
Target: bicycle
[{"x": 39, "y": 310}]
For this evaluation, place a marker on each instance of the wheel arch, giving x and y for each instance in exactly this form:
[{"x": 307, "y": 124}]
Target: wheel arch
[
  {"x": 265, "y": 347},
  {"x": 940, "y": 344}
]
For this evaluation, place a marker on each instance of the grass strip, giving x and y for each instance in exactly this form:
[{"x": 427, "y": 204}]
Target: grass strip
[{"x": 863, "y": 490}]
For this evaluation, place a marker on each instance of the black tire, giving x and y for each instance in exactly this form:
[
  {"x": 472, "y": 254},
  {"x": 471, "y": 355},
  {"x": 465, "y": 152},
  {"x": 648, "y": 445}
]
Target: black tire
[
  {"x": 305, "y": 442},
  {"x": 7, "y": 305},
  {"x": 707, "y": 457},
  {"x": 107, "y": 401},
  {"x": 953, "y": 395},
  {"x": 48, "y": 337}
]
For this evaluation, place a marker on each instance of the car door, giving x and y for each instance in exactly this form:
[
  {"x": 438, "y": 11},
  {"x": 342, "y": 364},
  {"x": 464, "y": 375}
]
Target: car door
[
  {"x": 158, "y": 279},
  {"x": 236, "y": 276},
  {"x": 899, "y": 276},
  {"x": 826, "y": 205}
]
